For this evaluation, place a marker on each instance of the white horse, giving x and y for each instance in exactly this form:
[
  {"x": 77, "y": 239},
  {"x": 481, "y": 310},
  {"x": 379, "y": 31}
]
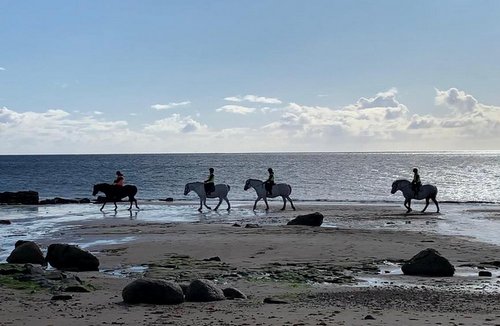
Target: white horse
[
  {"x": 281, "y": 189},
  {"x": 426, "y": 192},
  {"x": 220, "y": 192}
]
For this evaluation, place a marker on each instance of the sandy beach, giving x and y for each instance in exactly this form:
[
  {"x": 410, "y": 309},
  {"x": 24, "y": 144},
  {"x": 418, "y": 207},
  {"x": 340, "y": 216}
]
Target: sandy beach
[{"x": 337, "y": 275}]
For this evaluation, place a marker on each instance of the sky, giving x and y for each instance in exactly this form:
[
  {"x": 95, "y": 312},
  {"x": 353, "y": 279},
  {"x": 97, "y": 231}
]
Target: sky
[{"x": 248, "y": 76}]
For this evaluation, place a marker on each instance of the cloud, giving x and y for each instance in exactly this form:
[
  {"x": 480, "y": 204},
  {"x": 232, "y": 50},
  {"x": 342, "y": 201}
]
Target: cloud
[
  {"x": 98, "y": 113},
  {"x": 169, "y": 105},
  {"x": 2, "y": 69},
  {"x": 176, "y": 124},
  {"x": 253, "y": 99},
  {"x": 456, "y": 100},
  {"x": 237, "y": 109}
]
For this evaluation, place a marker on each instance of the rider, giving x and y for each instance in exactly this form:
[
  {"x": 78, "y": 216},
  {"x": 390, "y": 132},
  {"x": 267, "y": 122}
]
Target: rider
[
  {"x": 210, "y": 182},
  {"x": 416, "y": 183},
  {"x": 269, "y": 183},
  {"x": 120, "y": 179}
]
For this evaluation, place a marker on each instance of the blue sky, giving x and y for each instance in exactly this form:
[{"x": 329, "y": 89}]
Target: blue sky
[{"x": 240, "y": 76}]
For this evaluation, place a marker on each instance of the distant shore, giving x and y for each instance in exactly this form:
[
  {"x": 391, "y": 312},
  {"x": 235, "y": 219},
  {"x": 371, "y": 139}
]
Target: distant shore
[{"x": 327, "y": 275}]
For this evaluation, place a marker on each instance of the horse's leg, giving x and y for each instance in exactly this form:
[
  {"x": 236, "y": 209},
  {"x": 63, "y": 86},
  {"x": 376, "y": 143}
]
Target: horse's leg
[
  {"x": 408, "y": 205},
  {"x": 228, "y": 204},
  {"x": 135, "y": 201},
  {"x": 284, "y": 203},
  {"x": 205, "y": 203},
  {"x": 291, "y": 202},
  {"x": 267, "y": 205},
  {"x": 116, "y": 207},
  {"x": 131, "y": 201},
  {"x": 435, "y": 202},
  {"x": 103, "y": 205},
  {"x": 255, "y": 204},
  {"x": 220, "y": 202},
  {"x": 426, "y": 204},
  {"x": 201, "y": 205}
]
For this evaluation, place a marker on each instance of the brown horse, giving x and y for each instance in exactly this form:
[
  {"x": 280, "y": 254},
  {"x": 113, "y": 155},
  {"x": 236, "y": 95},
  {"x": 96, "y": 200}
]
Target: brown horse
[{"x": 116, "y": 193}]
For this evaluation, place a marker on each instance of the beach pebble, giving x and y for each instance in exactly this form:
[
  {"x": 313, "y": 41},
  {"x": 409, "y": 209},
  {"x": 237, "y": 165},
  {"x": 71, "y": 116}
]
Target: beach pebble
[
  {"x": 485, "y": 273},
  {"x": 216, "y": 258},
  {"x": 252, "y": 226},
  {"x": 203, "y": 291},
  {"x": 69, "y": 257},
  {"x": 62, "y": 297},
  {"x": 275, "y": 301},
  {"x": 428, "y": 262},
  {"x": 314, "y": 219},
  {"x": 369, "y": 317},
  {"x": 233, "y": 293},
  {"x": 26, "y": 252},
  {"x": 153, "y": 291}
]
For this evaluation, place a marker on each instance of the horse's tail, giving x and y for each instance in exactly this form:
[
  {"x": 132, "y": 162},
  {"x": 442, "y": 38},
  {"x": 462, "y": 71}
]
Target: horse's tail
[
  {"x": 228, "y": 188},
  {"x": 289, "y": 189}
]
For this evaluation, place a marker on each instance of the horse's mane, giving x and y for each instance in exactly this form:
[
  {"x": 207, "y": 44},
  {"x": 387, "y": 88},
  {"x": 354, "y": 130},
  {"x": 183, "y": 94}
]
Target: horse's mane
[{"x": 255, "y": 180}]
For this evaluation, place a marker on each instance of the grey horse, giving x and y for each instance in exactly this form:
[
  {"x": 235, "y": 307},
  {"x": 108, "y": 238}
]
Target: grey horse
[{"x": 426, "y": 192}]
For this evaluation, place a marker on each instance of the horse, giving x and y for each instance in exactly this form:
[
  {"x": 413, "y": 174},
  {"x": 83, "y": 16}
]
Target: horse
[
  {"x": 426, "y": 192},
  {"x": 220, "y": 192},
  {"x": 115, "y": 193},
  {"x": 281, "y": 189}
]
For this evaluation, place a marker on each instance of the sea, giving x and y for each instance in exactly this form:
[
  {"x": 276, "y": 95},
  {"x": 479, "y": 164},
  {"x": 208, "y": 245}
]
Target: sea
[{"x": 468, "y": 186}]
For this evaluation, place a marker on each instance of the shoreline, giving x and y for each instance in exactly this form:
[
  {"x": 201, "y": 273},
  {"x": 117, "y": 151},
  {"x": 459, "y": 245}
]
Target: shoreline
[{"x": 328, "y": 275}]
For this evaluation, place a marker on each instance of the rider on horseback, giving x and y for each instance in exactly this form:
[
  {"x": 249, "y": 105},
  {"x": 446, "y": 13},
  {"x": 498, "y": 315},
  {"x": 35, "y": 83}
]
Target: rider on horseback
[
  {"x": 210, "y": 182},
  {"x": 269, "y": 183},
  {"x": 416, "y": 183},
  {"x": 120, "y": 179}
]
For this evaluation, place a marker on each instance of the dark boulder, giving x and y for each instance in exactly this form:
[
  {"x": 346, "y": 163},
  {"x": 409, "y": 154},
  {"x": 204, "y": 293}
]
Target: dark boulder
[
  {"x": 58, "y": 200},
  {"x": 314, "y": 219},
  {"x": 153, "y": 291},
  {"x": 428, "y": 262},
  {"x": 233, "y": 293},
  {"x": 69, "y": 257},
  {"x": 203, "y": 291},
  {"x": 20, "y": 197},
  {"x": 5, "y": 222},
  {"x": 26, "y": 252}
]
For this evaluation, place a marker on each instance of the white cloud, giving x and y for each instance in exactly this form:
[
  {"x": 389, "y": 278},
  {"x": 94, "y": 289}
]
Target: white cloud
[
  {"x": 237, "y": 109},
  {"x": 2, "y": 69},
  {"x": 253, "y": 99},
  {"x": 98, "y": 112},
  {"x": 456, "y": 100},
  {"x": 169, "y": 105},
  {"x": 176, "y": 124}
]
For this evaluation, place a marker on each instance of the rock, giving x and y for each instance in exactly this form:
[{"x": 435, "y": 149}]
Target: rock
[
  {"x": 233, "y": 293},
  {"x": 62, "y": 297},
  {"x": 236, "y": 225},
  {"x": 20, "y": 197},
  {"x": 369, "y": 317},
  {"x": 252, "y": 226},
  {"x": 83, "y": 200},
  {"x": 6, "y": 222},
  {"x": 26, "y": 252},
  {"x": 203, "y": 291},
  {"x": 314, "y": 219},
  {"x": 216, "y": 258},
  {"x": 485, "y": 273},
  {"x": 428, "y": 263},
  {"x": 69, "y": 257},
  {"x": 153, "y": 291},
  {"x": 59, "y": 200},
  {"x": 275, "y": 301},
  {"x": 169, "y": 199}
]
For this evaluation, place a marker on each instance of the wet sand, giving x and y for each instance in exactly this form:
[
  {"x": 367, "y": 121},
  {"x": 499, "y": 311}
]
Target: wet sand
[{"x": 336, "y": 275}]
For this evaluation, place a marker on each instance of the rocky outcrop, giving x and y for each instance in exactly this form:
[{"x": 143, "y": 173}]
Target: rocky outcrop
[
  {"x": 5, "y": 222},
  {"x": 20, "y": 197},
  {"x": 233, "y": 293},
  {"x": 59, "y": 200},
  {"x": 203, "y": 291},
  {"x": 153, "y": 291},
  {"x": 26, "y": 252},
  {"x": 428, "y": 262},
  {"x": 314, "y": 219},
  {"x": 72, "y": 258}
]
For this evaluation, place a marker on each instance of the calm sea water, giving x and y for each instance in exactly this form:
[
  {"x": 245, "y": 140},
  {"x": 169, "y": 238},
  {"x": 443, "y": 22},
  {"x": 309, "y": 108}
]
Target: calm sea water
[{"x": 461, "y": 177}]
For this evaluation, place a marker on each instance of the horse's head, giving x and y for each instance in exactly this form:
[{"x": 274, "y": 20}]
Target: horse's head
[
  {"x": 395, "y": 187},
  {"x": 187, "y": 189},
  {"x": 247, "y": 185},
  {"x": 96, "y": 190}
]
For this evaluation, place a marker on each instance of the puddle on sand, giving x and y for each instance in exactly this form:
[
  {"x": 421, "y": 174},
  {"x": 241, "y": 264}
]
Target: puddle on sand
[
  {"x": 464, "y": 279},
  {"x": 127, "y": 271}
]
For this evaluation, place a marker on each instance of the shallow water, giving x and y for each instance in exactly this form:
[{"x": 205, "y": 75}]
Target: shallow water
[{"x": 479, "y": 222}]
